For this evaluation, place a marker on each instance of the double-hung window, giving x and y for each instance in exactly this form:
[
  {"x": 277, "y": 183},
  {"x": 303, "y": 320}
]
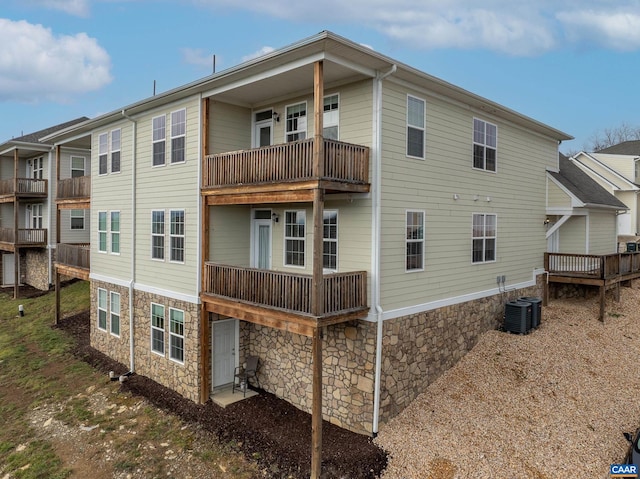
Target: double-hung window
[
  {"x": 115, "y": 313},
  {"x": 415, "y": 240},
  {"x": 102, "y": 231},
  {"x": 178, "y": 135},
  {"x": 330, "y": 240},
  {"x": 157, "y": 234},
  {"x": 103, "y": 151},
  {"x": 415, "y": 126},
  {"x": 176, "y": 334},
  {"x": 294, "y": 238},
  {"x": 77, "y": 219},
  {"x": 102, "y": 309},
  {"x": 77, "y": 166},
  {"x": 296, "y": 122},
  {"x": 115, "y": 232},
  {"x": 157, "y": 328},
  {"x": 485, "y": 144},
  {"x": 176, "y": 236},
  {"x": 159, "y": 137},
  {"x": 484, "y": 238},
  {"x": 331, "y": 117},
  {"x": 115, "y": 151}
]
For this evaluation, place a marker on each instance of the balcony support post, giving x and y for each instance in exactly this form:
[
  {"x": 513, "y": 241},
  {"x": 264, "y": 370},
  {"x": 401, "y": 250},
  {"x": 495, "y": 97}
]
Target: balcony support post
[
  {"x": 16, "y": 249},
  {"x": 316, "y": 405}
]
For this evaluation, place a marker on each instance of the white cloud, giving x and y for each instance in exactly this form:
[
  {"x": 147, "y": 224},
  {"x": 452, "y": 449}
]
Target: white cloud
[
  {"x": 36, "y": 65},
  {"x": 198, "y": 57},
  {"x": 263, "y": 51},
  {"x": 515, "y": 27},
  {"x": 73, "y": 7}
]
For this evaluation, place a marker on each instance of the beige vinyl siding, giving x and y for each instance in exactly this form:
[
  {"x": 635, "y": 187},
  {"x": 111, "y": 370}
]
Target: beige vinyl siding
[
  {"x": 230, "y": 235},
  {"x": 573, "y": 235},
  {"x": 605, "y": 173},
  {"x": 169, "y": 187},
  {"x": 6, "y": 168},
  {"x": 229, "y": 128},
  {"x": 112, "y": 192},
  {"x": 557, "y": 197},
  {"x": 602, "y": 233},
  {"x": 517, "y": 194},
  {"x": 6, "y": 215},
  {"x": 623, "y": 164},
  {"x": 67, "y": 235}
]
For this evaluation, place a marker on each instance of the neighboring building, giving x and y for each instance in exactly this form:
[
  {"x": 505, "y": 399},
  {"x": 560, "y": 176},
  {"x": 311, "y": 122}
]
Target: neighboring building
[
  {"x": 581, "y": 214},
  {"x": 28, "y": 220},
  {"x": 617, "y": 170},
  {"x": 352, "y": 221}
]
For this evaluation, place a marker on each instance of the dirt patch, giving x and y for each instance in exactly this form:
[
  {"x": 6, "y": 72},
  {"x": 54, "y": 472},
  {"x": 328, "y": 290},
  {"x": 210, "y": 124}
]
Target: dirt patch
[{"x": 267, "y": 429}]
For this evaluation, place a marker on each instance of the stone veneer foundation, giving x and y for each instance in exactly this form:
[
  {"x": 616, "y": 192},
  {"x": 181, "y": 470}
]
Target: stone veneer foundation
[
  {"x": 116, "y": 347},
  {"x": 36, "y": 268},
  {"x": 416, "y": 350}
]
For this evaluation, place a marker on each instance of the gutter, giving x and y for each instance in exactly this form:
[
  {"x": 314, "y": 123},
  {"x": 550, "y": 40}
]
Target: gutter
[
  {"x": 376, "y": 232},
  {"x": 132, "y": 361}
]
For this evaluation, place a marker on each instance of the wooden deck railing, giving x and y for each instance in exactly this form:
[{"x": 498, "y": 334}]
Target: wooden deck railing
[
  {"x": 592, "y": 266},
  {"x": 288, "y": 291},
  {"x": 70, "y": 188},
  {"x": 25, "y": 186},
  {"x": 78, "y": 255},
  {"x": 287, "y": 162},
  {"x": 25, "y": 237}
]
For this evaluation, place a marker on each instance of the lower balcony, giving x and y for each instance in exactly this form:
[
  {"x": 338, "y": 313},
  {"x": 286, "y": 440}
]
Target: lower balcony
[
  {"x": 73, "y": 260},
  {"x": 23, "y": 188},
  {"x": 23, "y": 237},
  {"x": 283, "y": 300}
]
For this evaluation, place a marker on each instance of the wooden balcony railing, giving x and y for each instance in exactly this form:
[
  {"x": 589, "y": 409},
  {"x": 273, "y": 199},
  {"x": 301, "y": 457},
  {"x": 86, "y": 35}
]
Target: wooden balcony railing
[
  {"x": 23, "y": 186},
  {"x": 343, "y": 162},
  {"x": 592, "y": 266},
  {"x": 25, "y": 236},
  {"x": 71, "y": 188},
  {"x": 287, "y": 291},
  {"x": 78, "y": 255}
]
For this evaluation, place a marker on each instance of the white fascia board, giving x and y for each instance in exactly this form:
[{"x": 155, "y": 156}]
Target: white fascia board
[{"x": 629, "y": 185}]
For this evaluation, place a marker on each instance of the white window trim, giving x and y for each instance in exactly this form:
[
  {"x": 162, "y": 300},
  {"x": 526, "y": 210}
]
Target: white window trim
[
  {"x": 331, "y": 240},
  {"x": 182, "y": 135},
  {"x": 163, "y": 235},
  {"x": 106, "y": 310},
  {"x": 119, "y": 150},
  {"x": 105, "y": 231},
  {"x": 306, "y": 126},
  {"x": 485, "y": 237},
  {"x": 84, "y": 220},
  {"x": 163, "y": 140},
  {"x": 183, "y": 236},
  {"x": 104, "y": 153},
  {"x": 303, "y": 238},
  {"x": 84, "y": 165},
  {"x": 473, "y": 143},
  {"x": 111, "y": 233},
  {"x": 155, "y": 328},
  {"x": 112, "y": 294},
  {"x": 172, "y": 335},
  {"x": 324, "y": 124},
  {"x": 422, "y": 128},
  {"x": 422, "y": 240}
]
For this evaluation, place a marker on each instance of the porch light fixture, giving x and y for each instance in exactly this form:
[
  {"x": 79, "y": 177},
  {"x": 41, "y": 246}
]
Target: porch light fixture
[
  {"x": 276, "y": 116},
  {"x": 547, "y": 221},
  {"x": 275, "y": 217}
]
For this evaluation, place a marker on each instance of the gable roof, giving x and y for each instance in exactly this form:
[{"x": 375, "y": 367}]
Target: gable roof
[
  {"x": 36, "y": 137},
  {"x": 583, "y": 187},
  {"x": 631, "y": 147}
]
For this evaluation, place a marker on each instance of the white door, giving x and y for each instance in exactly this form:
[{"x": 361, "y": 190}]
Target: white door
[
  {"x": 223, "y": 357},
  {"x": 263, "y": 133},
  {"x": 261, "y": 247},
  {"x": 8, "y": 264}
]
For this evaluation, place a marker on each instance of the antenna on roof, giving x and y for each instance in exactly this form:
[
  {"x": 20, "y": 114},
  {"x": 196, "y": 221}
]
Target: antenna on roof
[
  {"x": 214, "y": 63},
  {"x": 154, "y": 88}
]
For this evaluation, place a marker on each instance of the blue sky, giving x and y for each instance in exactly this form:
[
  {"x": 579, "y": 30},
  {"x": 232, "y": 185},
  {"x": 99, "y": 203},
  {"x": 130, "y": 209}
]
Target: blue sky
[{"x": 572, "y": 64}]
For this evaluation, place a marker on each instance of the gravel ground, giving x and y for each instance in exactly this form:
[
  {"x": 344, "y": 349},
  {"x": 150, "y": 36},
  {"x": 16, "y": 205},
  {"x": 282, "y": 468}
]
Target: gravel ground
[{"x": 553, "y": 403}]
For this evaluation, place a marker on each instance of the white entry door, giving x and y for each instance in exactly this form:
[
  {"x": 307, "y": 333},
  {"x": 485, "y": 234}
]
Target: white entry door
[
  {"x": 223, "y": 357},
  {"x": 8, "y": 265},
  {"x": 263, "y": 132}
]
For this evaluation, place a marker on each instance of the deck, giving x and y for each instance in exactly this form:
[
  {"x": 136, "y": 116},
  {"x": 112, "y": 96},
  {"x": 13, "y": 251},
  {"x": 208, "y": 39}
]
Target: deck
[
  {"x": 73, "y": 260},
  {"x": 13, "y": 188},
  {"x": 603, "y": 271},
  {"x": 25, "y": 237},
  {"x": 74, "y": 193}
]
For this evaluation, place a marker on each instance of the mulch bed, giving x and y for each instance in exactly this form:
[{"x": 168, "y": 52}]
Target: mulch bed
[{"x": 263, "y": 427}]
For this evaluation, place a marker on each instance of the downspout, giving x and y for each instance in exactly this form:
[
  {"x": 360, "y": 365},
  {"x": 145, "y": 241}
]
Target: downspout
[
  {"x": 376, "y": 231},
  {"x": 133, "y": 243}
]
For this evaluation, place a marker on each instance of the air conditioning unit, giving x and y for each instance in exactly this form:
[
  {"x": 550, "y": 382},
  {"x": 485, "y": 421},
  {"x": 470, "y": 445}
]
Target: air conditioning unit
[
  {"x": 536, "y": 309},
  {"x": 517, "y": 317}
]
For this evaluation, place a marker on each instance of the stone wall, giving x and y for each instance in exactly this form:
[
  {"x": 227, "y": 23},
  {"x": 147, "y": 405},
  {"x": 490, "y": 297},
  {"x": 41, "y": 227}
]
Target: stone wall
[
  {"x": 116, "y": 347},
  {"x": 418, "y": 348},
  {"x": 181, "y": 377},
  {"x": 36, "y": 268}
]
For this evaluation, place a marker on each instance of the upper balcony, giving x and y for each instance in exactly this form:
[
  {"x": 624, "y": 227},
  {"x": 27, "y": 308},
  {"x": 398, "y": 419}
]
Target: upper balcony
[
  {"x": 14, "y": 188},
  {"x": 25, "y": 237},
  {"x": 74, "y": 192},
  {"x": 73, "y": 260},
  {"x": 283, "y": 173}
]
